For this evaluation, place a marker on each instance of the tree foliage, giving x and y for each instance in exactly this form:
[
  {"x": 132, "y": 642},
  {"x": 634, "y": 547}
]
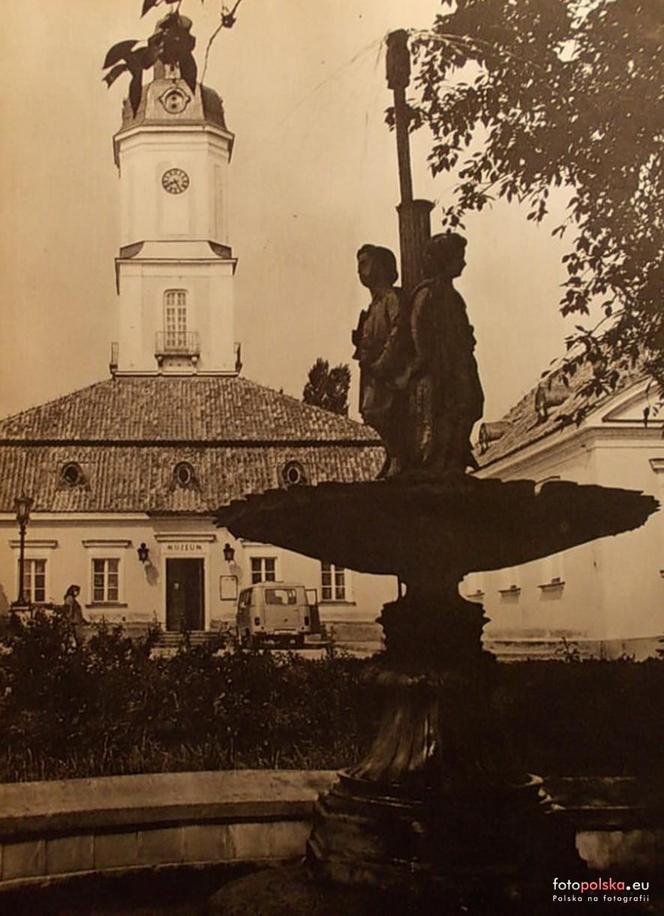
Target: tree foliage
[
  {"x": 523, "y": 96},
  {"x": 328, "y": 388},
  {"x": 171, "y": 43}
]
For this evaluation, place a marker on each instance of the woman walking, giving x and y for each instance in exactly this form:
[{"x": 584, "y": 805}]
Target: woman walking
[{"x": 74, "y": 613}]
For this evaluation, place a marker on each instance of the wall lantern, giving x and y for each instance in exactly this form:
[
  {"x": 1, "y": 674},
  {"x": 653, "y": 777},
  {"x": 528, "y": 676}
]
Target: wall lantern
[
  {"x": 143, "y": 552},
  {"x": 229, "y": 553}
]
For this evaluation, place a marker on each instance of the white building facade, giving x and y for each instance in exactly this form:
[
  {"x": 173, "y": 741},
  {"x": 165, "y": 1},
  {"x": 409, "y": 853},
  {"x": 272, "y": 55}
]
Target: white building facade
[
  {"x": 605, "y": 598},
  {"x": 125, "y": 475}
]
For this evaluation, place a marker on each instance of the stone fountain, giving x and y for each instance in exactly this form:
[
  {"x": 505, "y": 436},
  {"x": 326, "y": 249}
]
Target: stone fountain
[
  {"x": 436, "y": 814},
  {"x": 437, "y": 817}
]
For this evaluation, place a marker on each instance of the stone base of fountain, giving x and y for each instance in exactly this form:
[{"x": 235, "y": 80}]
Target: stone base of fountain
[{"x": 365, "y": 835}]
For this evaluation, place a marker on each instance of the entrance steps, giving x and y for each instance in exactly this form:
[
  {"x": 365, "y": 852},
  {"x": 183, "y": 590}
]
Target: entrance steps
[{"x": 171, "y": 639}]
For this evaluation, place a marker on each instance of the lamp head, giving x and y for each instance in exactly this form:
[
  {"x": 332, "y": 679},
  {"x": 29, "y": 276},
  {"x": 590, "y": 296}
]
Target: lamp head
[{"x": 23, "y": 505}]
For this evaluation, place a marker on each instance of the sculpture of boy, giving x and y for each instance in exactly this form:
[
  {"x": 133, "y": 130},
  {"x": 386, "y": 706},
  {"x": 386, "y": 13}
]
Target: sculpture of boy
[
  {"x": 445, "y": 397},
  {"x": 379, "y": 341}
]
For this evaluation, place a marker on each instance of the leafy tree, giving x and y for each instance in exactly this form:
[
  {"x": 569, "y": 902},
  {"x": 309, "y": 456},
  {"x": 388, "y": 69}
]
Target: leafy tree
[
  {"x": 526, "y": 95},
  {"x": 328, "y": 388},
  {"x": 171, "y": 43}
]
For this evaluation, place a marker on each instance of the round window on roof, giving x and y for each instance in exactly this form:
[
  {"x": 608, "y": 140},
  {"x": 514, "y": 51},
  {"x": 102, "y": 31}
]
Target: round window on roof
[
  {"x": 183, "y": 474},
  {"x": 292, "y": 474},
  {"x": 71, "y": 474}
]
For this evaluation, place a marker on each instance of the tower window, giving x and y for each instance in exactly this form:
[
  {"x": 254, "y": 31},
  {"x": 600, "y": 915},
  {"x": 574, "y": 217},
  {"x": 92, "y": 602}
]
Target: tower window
[{"x": 175, "y": 319}]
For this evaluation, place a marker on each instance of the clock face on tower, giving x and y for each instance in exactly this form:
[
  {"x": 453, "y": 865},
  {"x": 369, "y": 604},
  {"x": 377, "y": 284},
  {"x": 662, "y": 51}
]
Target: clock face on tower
[{"x": 175, "y": 181}]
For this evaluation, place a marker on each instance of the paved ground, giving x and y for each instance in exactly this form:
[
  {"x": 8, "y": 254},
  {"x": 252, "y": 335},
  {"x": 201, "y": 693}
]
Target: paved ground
[{"x": 285, "y": 891}]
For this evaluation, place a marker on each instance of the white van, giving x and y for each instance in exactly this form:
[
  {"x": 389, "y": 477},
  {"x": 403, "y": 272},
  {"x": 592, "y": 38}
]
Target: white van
[{"x": 277, "y": 613}]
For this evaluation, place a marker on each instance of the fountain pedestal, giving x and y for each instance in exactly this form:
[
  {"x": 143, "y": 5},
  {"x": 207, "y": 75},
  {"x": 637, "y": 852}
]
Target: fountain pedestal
[{"x": 436, "y": 807}]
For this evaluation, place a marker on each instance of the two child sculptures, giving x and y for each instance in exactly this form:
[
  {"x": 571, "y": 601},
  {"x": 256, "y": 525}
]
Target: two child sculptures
[{"x": 419, "y": 384}]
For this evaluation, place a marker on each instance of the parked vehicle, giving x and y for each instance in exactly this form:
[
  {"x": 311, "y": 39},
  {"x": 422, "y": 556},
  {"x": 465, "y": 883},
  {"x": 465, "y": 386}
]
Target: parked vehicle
[{"x": 278, "y": 613}]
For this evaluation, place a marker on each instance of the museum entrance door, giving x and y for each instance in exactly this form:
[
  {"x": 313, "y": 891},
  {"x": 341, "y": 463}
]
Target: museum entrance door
[{"x": 184, "y": 595}]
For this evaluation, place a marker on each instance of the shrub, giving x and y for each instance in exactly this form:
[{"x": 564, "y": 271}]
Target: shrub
[
  {"x": 584, "y": 717},
  {"x": 111, "y": 705}
]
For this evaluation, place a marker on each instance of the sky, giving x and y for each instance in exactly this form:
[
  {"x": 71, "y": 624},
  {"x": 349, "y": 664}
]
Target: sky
[{"x": 313, "y": 178}]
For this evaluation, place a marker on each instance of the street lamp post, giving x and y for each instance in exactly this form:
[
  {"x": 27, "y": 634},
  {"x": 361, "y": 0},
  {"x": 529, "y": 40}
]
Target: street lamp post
[
  {"x": 414, "y": 215},
  {"x": 23, "y": 505}
]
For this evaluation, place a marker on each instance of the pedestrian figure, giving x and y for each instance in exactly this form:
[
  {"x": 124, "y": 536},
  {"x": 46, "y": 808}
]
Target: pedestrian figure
[{"x": 74, "y": 614}]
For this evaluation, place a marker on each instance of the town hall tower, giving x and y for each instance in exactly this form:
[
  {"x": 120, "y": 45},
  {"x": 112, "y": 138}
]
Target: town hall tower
[{"x": 175, "y": 266}]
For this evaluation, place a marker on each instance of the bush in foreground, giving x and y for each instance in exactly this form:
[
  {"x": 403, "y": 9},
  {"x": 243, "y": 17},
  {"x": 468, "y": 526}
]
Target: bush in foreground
[{"x": 112, "y": 706}]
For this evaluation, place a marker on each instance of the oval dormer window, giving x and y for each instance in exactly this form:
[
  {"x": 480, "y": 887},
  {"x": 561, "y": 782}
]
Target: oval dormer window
[
  {"x": 72, "y": 474},
  {"x": 183, "y": 474},
  {"x": 292, "y": 474}
]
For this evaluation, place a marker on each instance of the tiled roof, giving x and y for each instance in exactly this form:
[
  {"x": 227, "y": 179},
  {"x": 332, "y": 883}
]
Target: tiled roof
[
  {"x": 523, "y": 426},
  {"x": 127, "y": 435},
  {"x": 130, "y": 479},
  {"x": 213, "y": 409}
]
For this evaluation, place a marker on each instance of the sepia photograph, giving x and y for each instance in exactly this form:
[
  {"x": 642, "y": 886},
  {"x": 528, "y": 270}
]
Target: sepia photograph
[{"x": 331, "y": 458}]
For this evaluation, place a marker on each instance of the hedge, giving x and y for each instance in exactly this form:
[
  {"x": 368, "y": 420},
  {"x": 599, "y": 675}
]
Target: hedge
[{"x": 113, "y": 706}]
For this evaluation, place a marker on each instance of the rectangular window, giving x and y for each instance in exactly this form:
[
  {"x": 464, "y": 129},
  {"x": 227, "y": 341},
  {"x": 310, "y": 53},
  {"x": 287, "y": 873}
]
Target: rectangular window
[
  {"x": 333, "y": 582},
  {"x": 105, "y": 580},
  {"x": 175, "y": 319},
  {"x": 263, "y": 569},
  {"x": 34, "y": 581}
]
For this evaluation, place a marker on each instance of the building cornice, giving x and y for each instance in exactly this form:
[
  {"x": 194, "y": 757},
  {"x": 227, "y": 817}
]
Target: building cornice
[
  {"x": 168, "y": 128},
  {"x": 177, "y": 261},
  {"x": 174, "y": 373},
  {"x": 138, "y": 263},
  {"x": 600, "y": 415},
  {"x": 34, "y": 543},
  {"x": 105, "y": 542},
  {"x": 75, "y": 517},
  {"x": 564, "y": 446},
  {"x": 174, "y": 537}
]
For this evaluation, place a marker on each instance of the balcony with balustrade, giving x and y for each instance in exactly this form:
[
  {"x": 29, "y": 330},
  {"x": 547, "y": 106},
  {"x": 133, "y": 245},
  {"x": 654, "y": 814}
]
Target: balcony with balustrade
[{"x": 177, "y": 345}]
